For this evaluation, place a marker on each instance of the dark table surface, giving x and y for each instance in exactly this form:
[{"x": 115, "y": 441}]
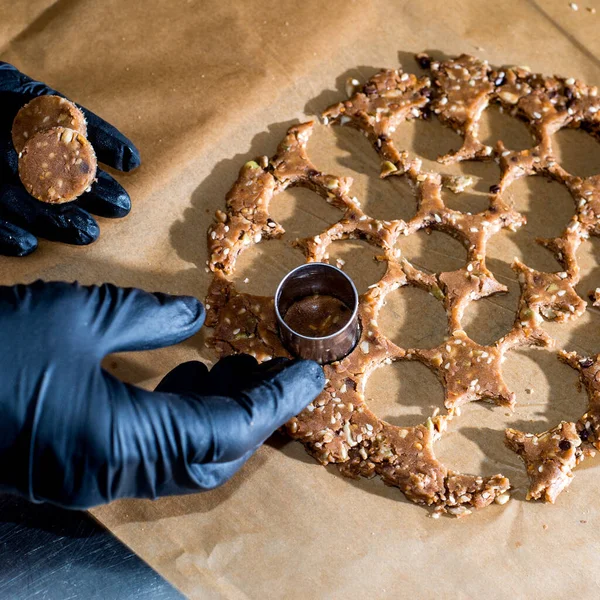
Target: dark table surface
[{"x": 51, "y": 554}]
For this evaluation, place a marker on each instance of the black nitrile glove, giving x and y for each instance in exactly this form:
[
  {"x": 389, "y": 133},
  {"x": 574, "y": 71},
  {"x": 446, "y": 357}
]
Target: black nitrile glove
[
  {"x": 22, "y": 217},
  {"x": 74, "y": 435}
]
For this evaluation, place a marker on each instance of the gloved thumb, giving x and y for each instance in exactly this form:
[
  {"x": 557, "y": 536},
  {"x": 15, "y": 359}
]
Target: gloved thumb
[
  {"x": 276, "y": 392},
  {"x": 167, "y": 443}
]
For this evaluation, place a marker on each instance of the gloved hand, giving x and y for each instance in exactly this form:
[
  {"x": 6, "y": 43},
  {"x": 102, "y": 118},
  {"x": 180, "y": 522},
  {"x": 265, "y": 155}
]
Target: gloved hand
[
  {"x": 22, "y": 217},
  {"x": 74, "y": 435}
]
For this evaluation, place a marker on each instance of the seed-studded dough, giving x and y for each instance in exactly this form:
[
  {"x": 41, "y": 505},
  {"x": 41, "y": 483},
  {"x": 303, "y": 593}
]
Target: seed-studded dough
[
  {"x": 338, "y": 426},
  {"x": 57, "y": 165},
  {"x": 550, "y": 457},
  {"x": 43, "y": 113}
]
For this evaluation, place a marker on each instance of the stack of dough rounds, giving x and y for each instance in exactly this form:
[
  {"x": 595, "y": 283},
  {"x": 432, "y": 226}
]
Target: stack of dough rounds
[{"x": 56, "y": 162}]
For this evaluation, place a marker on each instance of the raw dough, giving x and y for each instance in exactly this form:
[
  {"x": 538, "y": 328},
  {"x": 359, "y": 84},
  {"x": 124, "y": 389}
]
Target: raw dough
[
  {"x": 57, "y": 165},
  {"x": 338, "y": 426},
  {"x": 43, "y": 113}
]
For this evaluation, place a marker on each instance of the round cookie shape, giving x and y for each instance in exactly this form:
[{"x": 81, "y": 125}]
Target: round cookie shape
[
  {"x": 57, "y": 165},
  {"x": 43, "y": 113}
]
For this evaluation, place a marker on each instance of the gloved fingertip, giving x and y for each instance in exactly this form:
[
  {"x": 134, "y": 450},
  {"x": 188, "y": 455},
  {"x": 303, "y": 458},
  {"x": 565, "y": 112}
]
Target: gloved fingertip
[
  {"x": 304, "y": 380},
  {"x": 182, "y": 314},
  {"x": 132, "y": 319},
  {"x": 296, "y": 384},
  {"x": 107, "y": 198},
  {"x": 122, "y": 204},
  {"x": 118, "y": 152},
  {"x": 194, "y": 309},
  {"x": 28, "y": 245},
  {"x": 311, "y": 372},
  {"x": 87, "y": 235},
  {"x": 74, "y": 225},
  {"x": 131, "y": 158},
  {"x": 15, "y": 241}
]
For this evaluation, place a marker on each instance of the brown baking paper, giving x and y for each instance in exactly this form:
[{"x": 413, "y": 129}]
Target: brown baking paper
[{"x": 201, "y": 87}]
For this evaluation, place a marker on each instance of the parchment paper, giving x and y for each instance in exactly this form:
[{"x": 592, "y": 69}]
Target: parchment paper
[{"x": 202, "y": 87}]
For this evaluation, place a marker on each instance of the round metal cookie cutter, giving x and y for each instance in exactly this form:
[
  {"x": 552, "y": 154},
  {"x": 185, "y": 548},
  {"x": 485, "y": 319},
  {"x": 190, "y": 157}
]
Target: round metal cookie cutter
[{"x": 326, "y": 280}]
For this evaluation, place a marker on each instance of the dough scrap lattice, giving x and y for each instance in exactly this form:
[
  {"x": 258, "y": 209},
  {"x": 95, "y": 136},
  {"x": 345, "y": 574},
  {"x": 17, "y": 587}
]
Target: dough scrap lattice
[{"x": 338, "y": 426}]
